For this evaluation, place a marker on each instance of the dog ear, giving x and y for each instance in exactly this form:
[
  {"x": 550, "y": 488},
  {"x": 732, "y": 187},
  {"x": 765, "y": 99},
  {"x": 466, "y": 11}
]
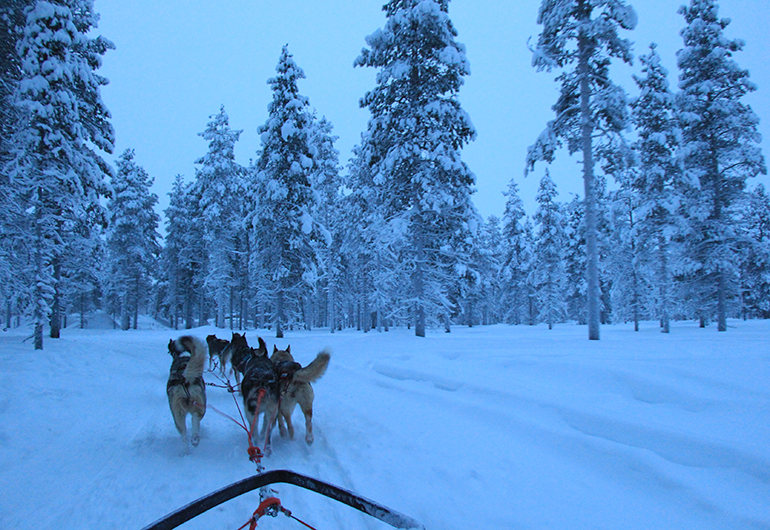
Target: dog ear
[
  {"x": 275, "y": 348},
  {"x": 262, "y": 347},
  {"x": 171, "y": 347},
  {"x": 288, "y": 348}
]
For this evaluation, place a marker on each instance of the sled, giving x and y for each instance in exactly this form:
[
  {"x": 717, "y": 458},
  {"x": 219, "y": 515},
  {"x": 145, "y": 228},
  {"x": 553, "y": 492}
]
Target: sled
[{"x": 199, "y": 506}]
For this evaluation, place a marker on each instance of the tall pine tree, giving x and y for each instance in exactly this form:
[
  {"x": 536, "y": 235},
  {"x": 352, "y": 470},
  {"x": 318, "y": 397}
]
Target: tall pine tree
[
  {"x": 132, "y": 238},
  {"x": 720, "y": 150},
  {"x": 56, "y": 161},
  {"x": 517, "y": 258},
  {"x": 179, "y": 260},
  {"x": 658, "y": 180},
  {"x": 416, "y": 131},
  {"x": 285, "y": 230},
  {"x": 547, "y": 275},
  {"x": 218, "y": 182},
  {"x": 581, "y": 37}
]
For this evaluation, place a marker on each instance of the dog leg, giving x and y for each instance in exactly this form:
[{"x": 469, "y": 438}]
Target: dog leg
[
  {"x": 289, "y": 426},
  {"x": 283, "y": 422},
  {"x": 180, "y": 422},
  {"x": 267, "y": 426},
  {"x": 196, "y": 429},
  {"x": 307, "y": 410}
]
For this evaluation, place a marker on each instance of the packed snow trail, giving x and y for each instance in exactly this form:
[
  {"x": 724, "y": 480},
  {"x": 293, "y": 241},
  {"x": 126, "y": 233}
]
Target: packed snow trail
[{"x": 493, "y": 427}]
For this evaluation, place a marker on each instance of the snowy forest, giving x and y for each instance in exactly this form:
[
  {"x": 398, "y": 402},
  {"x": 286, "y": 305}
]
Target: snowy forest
[{"x": 669, "y": 227}]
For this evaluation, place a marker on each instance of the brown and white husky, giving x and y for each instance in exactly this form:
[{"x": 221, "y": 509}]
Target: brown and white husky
[
  {"x": 296, "y": 389},
  {"x": 186, "y": 389}
]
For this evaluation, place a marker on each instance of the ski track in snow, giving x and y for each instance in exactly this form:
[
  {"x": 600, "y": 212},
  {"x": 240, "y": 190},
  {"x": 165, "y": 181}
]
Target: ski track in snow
[{"x": 500, "y": 427}]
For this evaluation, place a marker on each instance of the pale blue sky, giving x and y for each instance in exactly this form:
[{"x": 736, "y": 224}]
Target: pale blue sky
[{"x": 177, "y": 61}]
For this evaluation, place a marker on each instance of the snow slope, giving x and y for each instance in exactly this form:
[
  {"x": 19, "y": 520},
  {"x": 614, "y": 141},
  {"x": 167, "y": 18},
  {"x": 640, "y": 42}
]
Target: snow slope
[{"x": 495, "y": 427}]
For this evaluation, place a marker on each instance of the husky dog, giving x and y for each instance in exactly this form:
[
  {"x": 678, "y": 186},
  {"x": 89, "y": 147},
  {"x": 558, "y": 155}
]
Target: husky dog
[
  {"x": 219, "y": 348},
  {"x": 239, "y": 353},
  {"x": 185, "y": 388},
  {"x": 260, "y": 388},
  {"x": 296, "y": 389}
]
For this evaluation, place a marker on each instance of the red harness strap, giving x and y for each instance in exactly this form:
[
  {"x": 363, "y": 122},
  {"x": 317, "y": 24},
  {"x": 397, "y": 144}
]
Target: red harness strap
[{"x": 270, "y": 506}]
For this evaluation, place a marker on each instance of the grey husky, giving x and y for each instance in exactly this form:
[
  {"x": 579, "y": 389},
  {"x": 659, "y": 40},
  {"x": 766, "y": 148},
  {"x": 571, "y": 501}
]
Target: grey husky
[
  {"x": 186, "y": 389},
  {"x": 260, "y": 385}
]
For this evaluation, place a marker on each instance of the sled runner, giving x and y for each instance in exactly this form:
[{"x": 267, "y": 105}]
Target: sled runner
[{"x": 197, "y": 507}]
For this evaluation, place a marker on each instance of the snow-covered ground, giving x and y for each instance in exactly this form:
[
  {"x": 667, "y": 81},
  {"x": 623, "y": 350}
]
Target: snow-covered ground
[{"x": 492, "y": 427}]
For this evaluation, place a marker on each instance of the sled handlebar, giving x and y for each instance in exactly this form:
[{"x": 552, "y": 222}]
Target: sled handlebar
[{"x": 205, "y": 503}]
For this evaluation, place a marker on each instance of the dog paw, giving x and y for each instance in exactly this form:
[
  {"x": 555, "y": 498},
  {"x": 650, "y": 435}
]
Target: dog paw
[
  {"x": 194, "y": 440},
  {"x": 309, "y": 438}
]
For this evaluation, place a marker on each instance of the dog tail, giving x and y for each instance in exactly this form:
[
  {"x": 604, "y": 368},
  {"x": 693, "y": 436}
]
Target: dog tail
[
  {"x": 198, "y": 356},
  {"x": 313, "y": 371}
]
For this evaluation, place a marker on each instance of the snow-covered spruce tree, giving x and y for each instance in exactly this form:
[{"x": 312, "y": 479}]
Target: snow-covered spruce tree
[
  {"x": 755, "y": 270},
  {"x": 132, "y": 238},
  {"x": 580, "y": 37},
  {"x": 547, "y": 273},
  {"x": 218, "y": 184},
  {"x": 286, "y": 234},
  {"x": 488, "y": 289},
  {"x": 15, "y": 229},
  {"x": 176, "y": 261},
  {"x": 325, "y": 180},
  {"x": 657, "y": 182},
  {"x": 82, "y": 260},
  {"x": 370, "y": 267},
  {"x": 720, "y": 150},
  {"x": 55, "y": 159},
  {"x": 416, "y": 131},
  {"x": 630, "y": 290},
  {"x": 516, "y": 260},
  {"x": 575, "y": 260},
  {"x": 12, "y": 21}
]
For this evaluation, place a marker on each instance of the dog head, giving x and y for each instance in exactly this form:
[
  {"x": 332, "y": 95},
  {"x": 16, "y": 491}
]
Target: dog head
[
  {"x": 284, "y": 365},
  {"x": 239, "y": 341},
  {"x": 280, "y": 356}
]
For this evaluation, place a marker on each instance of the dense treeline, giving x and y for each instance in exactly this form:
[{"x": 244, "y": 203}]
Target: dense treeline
[{"x": 667, "y": 229}]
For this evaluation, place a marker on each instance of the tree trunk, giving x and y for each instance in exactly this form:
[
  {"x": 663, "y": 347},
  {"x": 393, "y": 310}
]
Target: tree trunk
[
  {"x": 721, "y": 302},
  {"x": 664, "y": 285},
  {"x": 136, "y": 304},
  {"x": 55, "y": 319},
  {"x": 279, "y": 316},
  {"x": 592, "y": 251},
  {"x": 202, "y": 318},
  {"x": 39, "y": 300},
  {"x": 38, "y": 336},
  {"x": 232, "y": 306},
  {"x": 418, "y": 285},
  {"x": 330, "y": 316}
]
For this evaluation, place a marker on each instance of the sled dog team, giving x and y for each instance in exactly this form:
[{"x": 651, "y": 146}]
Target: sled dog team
[{"x": 272, "y": 385}]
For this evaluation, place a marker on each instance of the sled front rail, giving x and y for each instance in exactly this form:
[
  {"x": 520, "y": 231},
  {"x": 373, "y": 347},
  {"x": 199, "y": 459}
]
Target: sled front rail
[{"x": 197, "y": 507}]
